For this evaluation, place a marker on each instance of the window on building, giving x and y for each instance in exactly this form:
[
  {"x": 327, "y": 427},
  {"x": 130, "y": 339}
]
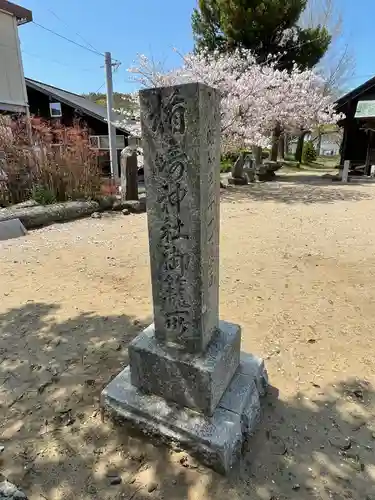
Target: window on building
[{"x": 55, "y": 109}]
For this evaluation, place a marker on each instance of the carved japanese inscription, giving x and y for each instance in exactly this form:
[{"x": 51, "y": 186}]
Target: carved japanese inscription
[{"x": 181, "y": 169}]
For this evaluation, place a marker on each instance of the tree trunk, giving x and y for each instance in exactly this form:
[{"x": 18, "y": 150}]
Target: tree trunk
[
  {"x": 257, "y": 153},
  {"x": 286, "y": 144},
  {"x": 282, "y": 146},
  {"x": 299, "y": 150},
  {"x": 275, "y": 142},
  {"x": 319, "y": 143}
]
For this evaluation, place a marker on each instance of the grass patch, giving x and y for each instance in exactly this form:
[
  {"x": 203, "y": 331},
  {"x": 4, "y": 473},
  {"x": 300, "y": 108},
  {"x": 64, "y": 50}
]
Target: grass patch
[
  {"x": 324, "y": 162},
  {"x": 321, "y": 163}
]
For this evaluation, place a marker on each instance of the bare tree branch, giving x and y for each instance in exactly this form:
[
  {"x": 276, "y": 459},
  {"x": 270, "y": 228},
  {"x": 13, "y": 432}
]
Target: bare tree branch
[{"x": 338, "y": 65}]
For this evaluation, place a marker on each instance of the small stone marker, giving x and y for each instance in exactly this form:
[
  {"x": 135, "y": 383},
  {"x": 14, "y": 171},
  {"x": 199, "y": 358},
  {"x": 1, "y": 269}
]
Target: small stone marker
[
  {"x": 12, "y": 228},
  {"x": 187, "y": 380},
  {"x": 372, "y": 171},
  {"x": 345, "y": 171},
  {"x": 237, "y": 172},
  {"x": 249, "y": 169}
]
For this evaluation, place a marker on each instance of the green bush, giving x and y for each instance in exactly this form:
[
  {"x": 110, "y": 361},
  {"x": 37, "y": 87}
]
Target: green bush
[
  {"x": 289, "y": 157},
  {"x": 225, "y": 166},
  {"x": 233, "y": 155},
  {"x": 229, "y": 159},
  {"x": 43, "y": 195},
  {"x": 309, "y": 153}
]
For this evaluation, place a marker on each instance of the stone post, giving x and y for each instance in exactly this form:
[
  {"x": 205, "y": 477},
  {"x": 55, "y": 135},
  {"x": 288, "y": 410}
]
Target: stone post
[
  {"x": 124, "y": 154},
  {"x": 182, "y": 177},
  {"x": 345, "y": 171},
  {"x": 187, "y": 380},
  {"x": 129, "y": 174}
]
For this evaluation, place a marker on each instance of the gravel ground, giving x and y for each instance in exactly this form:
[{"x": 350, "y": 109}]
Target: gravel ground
[{"x": 297, "y": 272}]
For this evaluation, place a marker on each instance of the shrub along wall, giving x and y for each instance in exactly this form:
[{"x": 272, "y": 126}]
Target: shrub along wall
[{"x": 59, "y": 166}]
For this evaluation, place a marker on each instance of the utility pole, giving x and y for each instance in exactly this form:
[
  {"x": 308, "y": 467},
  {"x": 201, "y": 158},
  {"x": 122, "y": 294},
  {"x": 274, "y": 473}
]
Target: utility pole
[{"x": 111, "y": 127}]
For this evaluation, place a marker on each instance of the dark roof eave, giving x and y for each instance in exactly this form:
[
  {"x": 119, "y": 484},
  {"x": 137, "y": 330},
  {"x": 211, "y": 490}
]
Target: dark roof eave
[
  {"x": 61, "y": 99},
  {"x": 23, "y": 15},
  {"x": 355, "y": 93}
]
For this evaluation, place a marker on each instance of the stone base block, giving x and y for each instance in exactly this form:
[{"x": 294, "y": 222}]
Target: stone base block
[
  {"x": 237, "y": 181},
  {"x": 195, "y": 381},
  {"x": 254, "y": 367},
  {"x": 217, "y": 441}
]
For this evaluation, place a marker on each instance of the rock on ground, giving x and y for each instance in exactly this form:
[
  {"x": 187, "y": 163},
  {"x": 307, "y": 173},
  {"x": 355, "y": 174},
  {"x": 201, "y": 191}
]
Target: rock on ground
[{"x": 9, "y": 491}]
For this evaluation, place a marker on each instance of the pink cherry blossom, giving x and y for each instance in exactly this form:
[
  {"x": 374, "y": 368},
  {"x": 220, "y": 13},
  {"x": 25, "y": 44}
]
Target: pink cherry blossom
[{"x": 255, "y": 97}]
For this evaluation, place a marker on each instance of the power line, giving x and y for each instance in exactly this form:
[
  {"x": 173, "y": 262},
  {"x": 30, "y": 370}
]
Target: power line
[
  {"x": 94, "y": 51},
  {"x": 100, "y": 88},
  {"x": 43, "y": 58},
  {"x": 114, "y": 71},
  {"x": 68, "y": 39},
  {"x": 76, "y": 32}
]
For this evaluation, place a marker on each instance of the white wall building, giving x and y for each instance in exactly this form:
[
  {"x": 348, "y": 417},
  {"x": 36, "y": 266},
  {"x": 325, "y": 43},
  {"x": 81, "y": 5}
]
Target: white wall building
[{"x": 13, "y": 96}]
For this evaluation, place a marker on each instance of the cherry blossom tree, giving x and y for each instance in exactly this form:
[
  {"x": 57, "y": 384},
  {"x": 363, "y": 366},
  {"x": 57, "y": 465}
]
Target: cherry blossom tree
[
  {"x": 256, "y": 98},
  {"x": 131, "y": 119}
]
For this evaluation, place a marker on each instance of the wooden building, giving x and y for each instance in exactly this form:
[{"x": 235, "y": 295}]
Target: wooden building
[
  {"x": 66, "y": 108},
  {"x": 358, "y": 143},
  {"x": 13, "y": 97}
]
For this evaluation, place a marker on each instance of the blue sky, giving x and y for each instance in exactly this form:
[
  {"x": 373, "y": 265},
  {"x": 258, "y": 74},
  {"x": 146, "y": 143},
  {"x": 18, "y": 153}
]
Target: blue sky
[{"x": 152, "y": 27}]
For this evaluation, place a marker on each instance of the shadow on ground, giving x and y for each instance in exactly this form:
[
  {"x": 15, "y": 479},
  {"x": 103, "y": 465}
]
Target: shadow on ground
[
  {"x": 319, "y": 178},
  {"x": 296, "y": 189},
  {"x": 57, "y": 447}
]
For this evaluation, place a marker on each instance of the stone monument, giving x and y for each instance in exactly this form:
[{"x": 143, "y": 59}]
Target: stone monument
[
  {"x": 187, "y": 381},
  {"x": 249, "y": 170},
  {"x": 237, "y": 171}
]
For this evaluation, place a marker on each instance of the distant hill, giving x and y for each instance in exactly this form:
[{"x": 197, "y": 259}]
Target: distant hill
[{"x": 120, "y": 100}]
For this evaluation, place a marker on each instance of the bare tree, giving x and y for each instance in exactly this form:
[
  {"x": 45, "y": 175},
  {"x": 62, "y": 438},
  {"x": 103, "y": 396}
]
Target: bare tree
[{"x": 338, "y": 64}]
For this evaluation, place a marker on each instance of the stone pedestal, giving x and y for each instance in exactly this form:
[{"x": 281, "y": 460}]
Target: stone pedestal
[
  {"x": 197, "y": 382},
  {"x": 217, "y": 441},
  {"x": 187, "y": 380}
]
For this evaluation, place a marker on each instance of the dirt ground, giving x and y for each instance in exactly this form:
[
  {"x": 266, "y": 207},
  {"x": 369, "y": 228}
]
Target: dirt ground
[{"x": 297, "y": 273}]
